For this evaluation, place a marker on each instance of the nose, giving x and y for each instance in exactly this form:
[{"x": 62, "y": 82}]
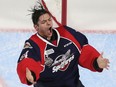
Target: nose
[{"x": 48, "y": 22}]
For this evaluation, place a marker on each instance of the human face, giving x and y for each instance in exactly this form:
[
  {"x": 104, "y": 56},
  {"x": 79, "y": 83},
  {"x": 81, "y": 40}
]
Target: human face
[{"x": 44, "y": 26}]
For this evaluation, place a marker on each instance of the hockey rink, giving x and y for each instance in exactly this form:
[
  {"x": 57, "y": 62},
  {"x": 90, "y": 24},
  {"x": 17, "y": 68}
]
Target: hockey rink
[
  {"x": 85, "y": 15},
  {"x": 11, "y": 44}
]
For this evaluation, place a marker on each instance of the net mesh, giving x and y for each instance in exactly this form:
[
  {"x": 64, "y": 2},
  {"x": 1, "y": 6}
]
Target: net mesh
[{"x": 54, "y": 6}]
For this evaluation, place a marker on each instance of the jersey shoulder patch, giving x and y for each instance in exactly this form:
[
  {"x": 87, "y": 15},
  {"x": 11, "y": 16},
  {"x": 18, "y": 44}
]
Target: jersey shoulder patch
[{"x": 27, "y": 45}]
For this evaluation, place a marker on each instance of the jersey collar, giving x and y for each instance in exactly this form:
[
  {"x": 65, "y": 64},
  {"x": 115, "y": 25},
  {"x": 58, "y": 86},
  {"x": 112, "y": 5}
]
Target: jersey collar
[{"x": 48, "y": 42}]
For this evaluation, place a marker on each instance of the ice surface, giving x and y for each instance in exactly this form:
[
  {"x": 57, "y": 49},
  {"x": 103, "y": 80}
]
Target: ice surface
[{"x": 12, "y": 43}]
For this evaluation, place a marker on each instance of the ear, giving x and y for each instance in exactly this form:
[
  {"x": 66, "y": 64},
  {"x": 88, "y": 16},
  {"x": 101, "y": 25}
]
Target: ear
[{"x": 36, "y": 27}]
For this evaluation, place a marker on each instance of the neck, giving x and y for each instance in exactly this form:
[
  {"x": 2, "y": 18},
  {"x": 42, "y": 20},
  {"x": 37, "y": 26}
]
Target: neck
[{"x": 48, "y": 38}]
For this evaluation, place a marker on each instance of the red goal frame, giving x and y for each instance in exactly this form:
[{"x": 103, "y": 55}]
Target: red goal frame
[{"x": 64, "y": 12}]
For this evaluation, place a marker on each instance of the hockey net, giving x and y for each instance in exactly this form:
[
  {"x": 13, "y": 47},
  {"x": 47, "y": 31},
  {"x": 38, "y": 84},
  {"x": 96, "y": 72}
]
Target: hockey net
[{"x": 55, "y": 8}]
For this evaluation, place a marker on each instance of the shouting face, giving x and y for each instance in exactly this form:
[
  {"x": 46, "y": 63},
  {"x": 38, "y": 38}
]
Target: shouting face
[{"x": 44, "y": 26}]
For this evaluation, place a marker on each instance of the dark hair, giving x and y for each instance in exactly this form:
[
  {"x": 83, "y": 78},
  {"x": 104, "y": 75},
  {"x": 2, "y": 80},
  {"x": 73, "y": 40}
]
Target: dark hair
[{"x": 37, "y": 12}]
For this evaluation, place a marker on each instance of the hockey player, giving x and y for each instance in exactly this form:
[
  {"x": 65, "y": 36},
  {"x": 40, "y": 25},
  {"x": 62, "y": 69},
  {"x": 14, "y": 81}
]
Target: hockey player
[{"x": 50, "y": 57}]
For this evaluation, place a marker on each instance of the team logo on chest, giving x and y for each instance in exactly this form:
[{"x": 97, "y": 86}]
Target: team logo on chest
[
  {"x": 60, "y": 58},
  {"x": 62, "y": 62}
]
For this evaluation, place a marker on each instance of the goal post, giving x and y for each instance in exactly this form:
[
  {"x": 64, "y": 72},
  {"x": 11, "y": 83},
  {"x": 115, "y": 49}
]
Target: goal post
[{"x": 64, "y": 12}]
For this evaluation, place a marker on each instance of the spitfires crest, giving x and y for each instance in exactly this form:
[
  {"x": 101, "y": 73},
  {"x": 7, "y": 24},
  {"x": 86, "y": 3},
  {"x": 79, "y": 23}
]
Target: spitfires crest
[{"x": 61, "y": 63}]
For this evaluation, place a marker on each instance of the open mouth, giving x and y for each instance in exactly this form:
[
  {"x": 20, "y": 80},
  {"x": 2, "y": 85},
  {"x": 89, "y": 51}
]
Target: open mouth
[
  {"x": 49, "y": 33},
  {"x": 50, "y": 29}
]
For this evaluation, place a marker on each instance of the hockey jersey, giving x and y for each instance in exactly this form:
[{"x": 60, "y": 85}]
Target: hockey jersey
[{"x": 56, "y": 63}]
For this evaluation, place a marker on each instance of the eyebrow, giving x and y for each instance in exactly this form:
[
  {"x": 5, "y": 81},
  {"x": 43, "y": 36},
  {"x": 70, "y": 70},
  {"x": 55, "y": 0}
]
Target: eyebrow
[{"x": 45, "y": 20}]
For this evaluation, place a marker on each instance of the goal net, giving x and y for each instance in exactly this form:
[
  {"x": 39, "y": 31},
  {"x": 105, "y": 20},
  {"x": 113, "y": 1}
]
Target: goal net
[{"x": 55, "y": 8}]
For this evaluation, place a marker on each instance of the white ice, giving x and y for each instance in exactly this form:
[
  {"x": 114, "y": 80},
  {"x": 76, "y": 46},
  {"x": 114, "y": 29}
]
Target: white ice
[{"x": 12, "y": 43}]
